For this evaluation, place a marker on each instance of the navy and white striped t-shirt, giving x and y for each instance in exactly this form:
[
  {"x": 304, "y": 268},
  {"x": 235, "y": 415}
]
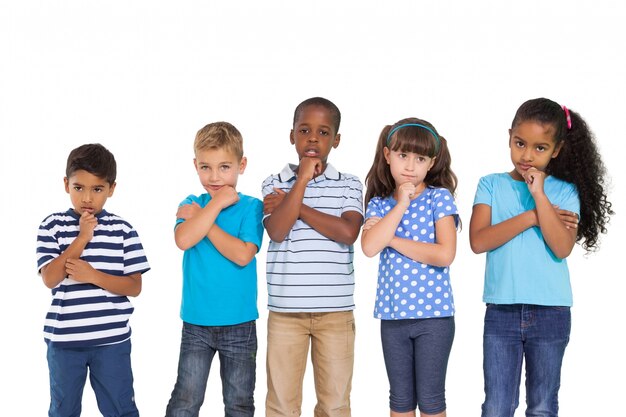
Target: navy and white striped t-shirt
[
  {"x": 83, "y": 315},
  {"x": 308, "y": 272}
]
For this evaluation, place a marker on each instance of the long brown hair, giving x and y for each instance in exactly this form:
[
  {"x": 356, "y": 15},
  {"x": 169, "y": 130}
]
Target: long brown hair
[
  {"x": 578, "y": 163},
  {"x": 414, "y": 139}
]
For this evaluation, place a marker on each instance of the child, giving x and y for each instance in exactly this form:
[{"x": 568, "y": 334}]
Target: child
[
  {"x": 528, "y": 221},
  {"x": 220, "y": 232},
  {"x": 411, "y": 220},
  {"x": 312, "y": 215},
  {"x": 92, "y": 260}
]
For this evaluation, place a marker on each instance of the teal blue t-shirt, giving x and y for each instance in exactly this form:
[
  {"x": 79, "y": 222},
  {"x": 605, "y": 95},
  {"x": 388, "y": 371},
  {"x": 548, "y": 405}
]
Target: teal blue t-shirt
[
  {"x": 217, "y": 291},
  {"x": 524, "y": 270}
]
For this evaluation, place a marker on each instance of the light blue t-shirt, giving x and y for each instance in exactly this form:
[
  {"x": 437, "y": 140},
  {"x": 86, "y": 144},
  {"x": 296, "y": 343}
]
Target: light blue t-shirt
[
  {"x": 408, "y": 289},
  {"x": 217, "y": 291},
  {"x": 524, "y": 270}
]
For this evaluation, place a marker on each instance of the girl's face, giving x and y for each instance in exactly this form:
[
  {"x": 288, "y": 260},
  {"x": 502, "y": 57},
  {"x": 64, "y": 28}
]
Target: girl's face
[
  {"x": 532, "y": 146},
  {"x": 408, "y": 166}
]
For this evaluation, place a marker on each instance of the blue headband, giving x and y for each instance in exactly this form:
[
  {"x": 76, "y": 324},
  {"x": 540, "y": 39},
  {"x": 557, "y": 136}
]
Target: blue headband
[{"x": 416, "y": 125}]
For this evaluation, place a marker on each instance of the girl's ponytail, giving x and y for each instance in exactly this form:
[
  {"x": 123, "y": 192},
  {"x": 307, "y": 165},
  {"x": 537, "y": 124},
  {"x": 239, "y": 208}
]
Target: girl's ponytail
[
  {"x": 379, "y": 180},
  {"x": 578, "y": 163},
  {"x": 441, "y": 174}
]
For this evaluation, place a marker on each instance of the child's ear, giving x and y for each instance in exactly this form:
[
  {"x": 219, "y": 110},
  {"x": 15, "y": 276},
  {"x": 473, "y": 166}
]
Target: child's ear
[
  {"x": 337, "y": 140},
  {"x": 243, "y": 164},
  {"x": 291, "y": 138},
  {"x": 66, "y": 183},
  {"x": 112, "y": 188},
  {"x": 557, "y": 149},
  {"x": 386, "y": 152},
  {"x": 432, "y": 163}
]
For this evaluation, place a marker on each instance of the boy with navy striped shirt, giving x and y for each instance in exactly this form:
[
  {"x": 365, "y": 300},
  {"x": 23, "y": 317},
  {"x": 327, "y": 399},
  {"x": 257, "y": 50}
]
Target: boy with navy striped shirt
[
  {"x": 313, "y": 214},
  {"x": 92, "y": 260}
]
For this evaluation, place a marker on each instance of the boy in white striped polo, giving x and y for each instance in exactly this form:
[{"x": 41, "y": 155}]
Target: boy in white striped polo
[
  {"x": 313, "y": 214},
  {"x": 92, "y": 260}
]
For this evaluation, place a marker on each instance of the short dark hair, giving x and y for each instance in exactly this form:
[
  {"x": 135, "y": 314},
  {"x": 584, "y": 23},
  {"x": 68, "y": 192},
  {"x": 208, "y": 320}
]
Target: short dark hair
[
  {"x": 322, "y": 102},
  {"x": 93, "y": 158}
]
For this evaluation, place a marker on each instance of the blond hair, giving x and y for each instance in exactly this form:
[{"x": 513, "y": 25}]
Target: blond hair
[{"x": 219, "y": 135}]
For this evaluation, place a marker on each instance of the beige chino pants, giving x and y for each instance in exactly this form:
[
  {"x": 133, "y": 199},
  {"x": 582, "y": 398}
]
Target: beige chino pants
[{"x": 331, "y": 336}]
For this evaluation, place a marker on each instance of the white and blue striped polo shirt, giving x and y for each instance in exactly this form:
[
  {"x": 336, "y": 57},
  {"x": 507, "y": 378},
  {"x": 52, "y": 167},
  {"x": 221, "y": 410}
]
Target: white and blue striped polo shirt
[
  {"x": 84, "y": 315},
  {"x": 308, "y": 272}
]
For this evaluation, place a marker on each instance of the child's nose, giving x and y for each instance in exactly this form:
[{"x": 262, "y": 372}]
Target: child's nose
[{"x": 87, "y": 196}]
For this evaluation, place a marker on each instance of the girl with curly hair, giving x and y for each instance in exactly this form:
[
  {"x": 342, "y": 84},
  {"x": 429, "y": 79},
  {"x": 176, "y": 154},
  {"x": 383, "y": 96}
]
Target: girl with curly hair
[{"x": 528, "y": 221}]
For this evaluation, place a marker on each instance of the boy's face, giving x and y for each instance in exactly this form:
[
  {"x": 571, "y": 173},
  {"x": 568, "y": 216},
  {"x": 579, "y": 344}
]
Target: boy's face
[
  {"x": 217, "y": 168},
  {"x": 87, "y": 192},
  {"x": 314, "y": 134}
]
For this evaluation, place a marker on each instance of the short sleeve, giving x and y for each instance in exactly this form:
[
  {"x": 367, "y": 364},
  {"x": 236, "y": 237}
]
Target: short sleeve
[
  {"x": 374, "y": 208},
  {"x": 444, "y": 205},
  {"x": 267, "y": 187},
  {"x": 484, "y": 191},
  {"x": 252, "y": 224},
  {"x": 354, "y": 196},
  {"x": 47, "y": 247},
  {"x": 570, "y": 200},
  {"x": 135, "y": 260},
  {"x": 189, "y": 200}
]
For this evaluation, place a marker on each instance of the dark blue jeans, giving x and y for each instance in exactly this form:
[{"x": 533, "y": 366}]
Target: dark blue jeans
[
  {"x": 110, "y": 375},
  {"x": 536, "y": 334},
  {"x": 237, "y": 346},
  {"x": 416, "y": 355}
]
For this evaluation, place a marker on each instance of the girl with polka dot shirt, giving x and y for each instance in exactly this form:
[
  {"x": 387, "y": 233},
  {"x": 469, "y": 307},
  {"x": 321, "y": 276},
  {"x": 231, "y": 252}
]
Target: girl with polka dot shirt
[{"x": 411, "y": 221}]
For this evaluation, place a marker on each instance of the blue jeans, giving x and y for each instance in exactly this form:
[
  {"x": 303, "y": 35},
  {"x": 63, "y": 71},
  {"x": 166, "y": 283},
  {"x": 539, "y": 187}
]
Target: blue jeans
[
  {"x": 237, "y": 346},
  {"x": 537, "y": 334},
  {"x": 109, "y": 373},
  {"x": 416, "y": 353}
]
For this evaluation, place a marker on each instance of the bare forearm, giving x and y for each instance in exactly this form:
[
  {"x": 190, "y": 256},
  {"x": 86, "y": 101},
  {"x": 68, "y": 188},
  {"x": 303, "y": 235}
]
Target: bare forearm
[
  {"x": 558, "y": 237},
  {"x": 440, "y": 253},
  {"x": 338, "y": 229},
  {"x": 54, "y": 272},
  {"x": 428, "y": 253},
  {"x": 193, "y": 230},
  {"x": 129, "y": 285},
  {"x": 284, "y": 216},
  {"x": 232, "y": 248},
  {"x": 376, "y": 238},
  {"x": 493, "y": 236}
]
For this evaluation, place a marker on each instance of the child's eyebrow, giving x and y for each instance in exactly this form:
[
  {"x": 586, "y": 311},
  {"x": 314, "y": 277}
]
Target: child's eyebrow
[
  {"x": 78, "y": 184},
  {"x": 219, "y": 163},
  {"x": 544, "y": 144}
]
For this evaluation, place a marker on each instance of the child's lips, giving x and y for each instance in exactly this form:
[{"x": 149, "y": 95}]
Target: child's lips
[{"x": 311, "y": 153}]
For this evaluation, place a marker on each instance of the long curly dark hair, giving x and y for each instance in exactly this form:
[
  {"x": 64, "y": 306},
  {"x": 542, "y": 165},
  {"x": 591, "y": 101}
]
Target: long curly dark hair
[
  {"x": 415, "y": 139},
  {"x": 578, "y": 163}
]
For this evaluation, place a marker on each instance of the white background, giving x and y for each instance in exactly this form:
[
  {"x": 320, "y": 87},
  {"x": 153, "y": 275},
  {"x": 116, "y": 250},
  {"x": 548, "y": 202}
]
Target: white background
[{"x": 142, "y": 77}]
